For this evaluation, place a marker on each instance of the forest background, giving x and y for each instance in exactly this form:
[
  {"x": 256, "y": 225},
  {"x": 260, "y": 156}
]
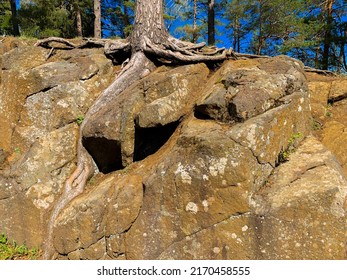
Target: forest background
[{"x": 314, "y": 31}]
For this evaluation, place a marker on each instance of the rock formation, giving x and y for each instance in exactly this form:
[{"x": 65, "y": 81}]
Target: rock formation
[{"x": 246, "y": 160}]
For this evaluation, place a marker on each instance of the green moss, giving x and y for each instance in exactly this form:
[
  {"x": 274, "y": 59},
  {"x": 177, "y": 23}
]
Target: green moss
[{"x": 10, "y": 250}]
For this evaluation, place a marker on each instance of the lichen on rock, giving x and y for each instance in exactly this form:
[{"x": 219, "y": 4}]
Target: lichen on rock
[{"x": 188, "y": 165}]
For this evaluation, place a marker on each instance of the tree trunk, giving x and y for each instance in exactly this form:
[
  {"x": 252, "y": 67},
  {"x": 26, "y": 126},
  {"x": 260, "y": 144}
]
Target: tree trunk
[
  {"x": 78, "y": 21},
  {"x": 14, "y": 19},
  {"x": 149, "y": 23},
  {"x": 260, "y": 36},
  {"x": 97, "y": 21},
  {"x": 211, "y": 23},
  {"x": 195, "y": 25},
  {"x": 327, "y": 33}
]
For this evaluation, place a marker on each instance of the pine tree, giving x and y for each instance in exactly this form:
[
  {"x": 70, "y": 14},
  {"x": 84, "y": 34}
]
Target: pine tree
[
  {"x": 118, "y": 17},
  {"x": 61, "y": 18},
  {"x": 97, "y": 20},
  {"x": 14, "y": 19},
  {"x": 211, "y": 33}
]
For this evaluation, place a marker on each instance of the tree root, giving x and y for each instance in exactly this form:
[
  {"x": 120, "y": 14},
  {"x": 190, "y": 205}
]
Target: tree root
[
  {"x": 319, "y": 71},
  {"x": 138, "y": 67},
  {"x": 177, "y": 52},
  {"x": 111, "y": 47}
]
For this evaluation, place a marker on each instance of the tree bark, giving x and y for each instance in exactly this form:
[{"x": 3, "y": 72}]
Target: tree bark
[
  {"x": 327, "y": 33},
  {"x": 78, "y": 20},
  {"x": 97, "y": 20},
  {"x": 149, "y": 23},
  {"x": 211, "y": 23},
  {"x": 195, "y": 25},
  {"x": 260, "y": 36},
  {"x": 14, "y": 19}
]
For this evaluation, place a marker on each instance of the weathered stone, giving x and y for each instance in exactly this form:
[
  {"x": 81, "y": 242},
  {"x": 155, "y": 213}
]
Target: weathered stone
[
  {"x": 112, "y": 207},
  {"x": 39, "y": 133},
  {"x": 338, "y": 90},
  {"x": 205, "y": 179},
  {"x": 329, "y": 107},
  {"x": 93, "y": 252},
  {"x": 231, "y": 239},
  {"x": 239, "y": 94},
  {"x": 301, "y": 214},
  {"x": 195, "y": 184},
  {"x": 334, "y": 136},
  {"x": 187, "y": 84},
  {"x": 319, "y": 95},
  {"x": 34, "y": 183},
  {"x": 173, "y": 93},
  {"x": 268, "y": 134}
]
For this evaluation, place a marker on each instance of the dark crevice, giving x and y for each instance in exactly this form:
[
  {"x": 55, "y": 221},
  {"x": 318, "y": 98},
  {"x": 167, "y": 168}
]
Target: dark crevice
[
  {"x": 202, "y": 115},
  {"x": 89, "y": 76},
  {"x": 232, "y": 110},
  {"x": 149, "y": 140},
  {"x": 119, "y": 57},
  {"x": 337, "y": 98},
  {"x": 105, "y": 152},
  {"x": 42, "y": 90}
]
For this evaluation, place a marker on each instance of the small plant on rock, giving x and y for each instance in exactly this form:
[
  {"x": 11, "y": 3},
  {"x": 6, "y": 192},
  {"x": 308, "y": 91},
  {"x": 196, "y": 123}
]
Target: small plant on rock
[
  {"x": 9, "y": 250},
  {"x": 79, "y": 119},
  {"x": 316, "y": 125},
  {"x": 284, "y": 155}
]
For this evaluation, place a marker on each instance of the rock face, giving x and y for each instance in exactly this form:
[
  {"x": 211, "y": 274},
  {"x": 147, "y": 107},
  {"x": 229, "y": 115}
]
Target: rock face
[
  {"x": 194, "y": 164},
  {"x": 41, "y": 102},
  {"x": 301, "y": 211},
  {"x": 329, "y": 98}
]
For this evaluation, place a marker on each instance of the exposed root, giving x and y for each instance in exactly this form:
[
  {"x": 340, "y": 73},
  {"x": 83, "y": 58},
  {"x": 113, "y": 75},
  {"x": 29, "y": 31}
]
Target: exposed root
[
  {"x": 138, "y": 66},
  {"x": 186, "y": 45},
  {"x": 173, "y": 52},
  {"x": 319, "y": 71},
  {"x": 74, "y": 186},
  {"x": 115, "y": 46},
  {"x": 111, "y": 47},
  {"x": 248, "y": 55},
  {"x": 46, "y": 42},
  {"x": 50, "y": 53}
]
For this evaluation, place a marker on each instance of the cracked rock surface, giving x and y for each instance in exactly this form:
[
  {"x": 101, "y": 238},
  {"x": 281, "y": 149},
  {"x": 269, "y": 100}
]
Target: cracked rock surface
[{"x": 202, "y": 164}]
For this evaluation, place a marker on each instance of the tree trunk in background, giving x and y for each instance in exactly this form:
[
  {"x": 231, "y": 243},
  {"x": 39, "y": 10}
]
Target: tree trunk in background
[
  {"x": 260, "y": 26},
  {"x": 14, "y": 19},
  {"x": 195, "y": 32},
  {"x": 78, "y": 21},
  {"x": 97, "y": 21},
  {"x": 211, "y": 23},
  {"x": 327, "y": 33}
]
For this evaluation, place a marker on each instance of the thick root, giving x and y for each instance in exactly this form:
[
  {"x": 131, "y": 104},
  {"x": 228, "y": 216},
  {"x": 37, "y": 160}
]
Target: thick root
[
  {"x": 319, "y": 71},
  {"x": 111, "y": 47},
  {"x": 181, "y": 54}
]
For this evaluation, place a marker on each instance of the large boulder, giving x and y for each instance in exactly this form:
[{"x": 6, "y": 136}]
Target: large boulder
[
  {"x": 301, "y": 212},
  {"x": 329, "y": 107},
  {"x": 41, "y": 101}
]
